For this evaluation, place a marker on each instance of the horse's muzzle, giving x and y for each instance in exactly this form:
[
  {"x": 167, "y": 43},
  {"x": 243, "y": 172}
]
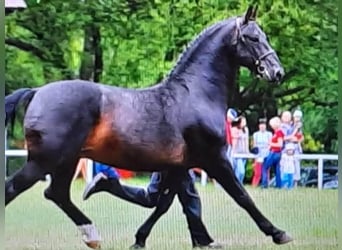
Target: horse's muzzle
[
  {"x": 278, "y": 75},
  {"x": 273, "y": 76}
]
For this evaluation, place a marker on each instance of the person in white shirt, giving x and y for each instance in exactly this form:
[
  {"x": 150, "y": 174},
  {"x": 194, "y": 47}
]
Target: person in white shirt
[
  {"x": 261, "y": 139},
  {"x": 240, "y": 145}
]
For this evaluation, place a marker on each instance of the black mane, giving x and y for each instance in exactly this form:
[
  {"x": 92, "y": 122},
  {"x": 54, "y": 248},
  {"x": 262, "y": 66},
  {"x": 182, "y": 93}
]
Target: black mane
[{"x": 193, "y": 46}]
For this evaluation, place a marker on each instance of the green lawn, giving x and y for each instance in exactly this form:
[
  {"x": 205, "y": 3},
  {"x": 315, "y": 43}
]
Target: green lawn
[{"x": 309, "y": 215}]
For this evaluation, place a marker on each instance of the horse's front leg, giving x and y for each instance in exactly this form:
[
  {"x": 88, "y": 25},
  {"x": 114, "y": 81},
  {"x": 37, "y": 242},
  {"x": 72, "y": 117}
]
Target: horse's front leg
[{"x": 221, "y": 170}]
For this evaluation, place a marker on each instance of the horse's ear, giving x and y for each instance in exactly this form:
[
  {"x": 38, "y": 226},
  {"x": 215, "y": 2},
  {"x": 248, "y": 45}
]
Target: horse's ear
[
  {"x": 248, "y": 15},
  {"x": 254, "y": 13}
]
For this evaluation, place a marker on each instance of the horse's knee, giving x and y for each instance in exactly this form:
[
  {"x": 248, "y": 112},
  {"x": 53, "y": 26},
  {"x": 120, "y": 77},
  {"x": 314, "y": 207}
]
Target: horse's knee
[{"x": 22, "y": 181}]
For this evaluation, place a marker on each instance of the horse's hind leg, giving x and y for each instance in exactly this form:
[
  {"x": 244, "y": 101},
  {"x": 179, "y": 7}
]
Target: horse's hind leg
[
  {"x": 22, "y": 180},
  {"x": 224, "y": 174},
  {"x": 59, "y": 193}
]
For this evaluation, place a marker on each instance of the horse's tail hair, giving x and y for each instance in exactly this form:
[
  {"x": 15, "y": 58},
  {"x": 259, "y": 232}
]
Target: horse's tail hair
[{"x": 12, "y": 101}]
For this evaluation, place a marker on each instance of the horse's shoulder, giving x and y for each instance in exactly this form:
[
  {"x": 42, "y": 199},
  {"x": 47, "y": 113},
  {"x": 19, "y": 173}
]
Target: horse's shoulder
[{"x": 212, "y": 124}]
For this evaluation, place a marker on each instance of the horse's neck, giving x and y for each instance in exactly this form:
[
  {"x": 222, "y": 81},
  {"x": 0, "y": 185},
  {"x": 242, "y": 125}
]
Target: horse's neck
[{"x": 209, "y": 70}]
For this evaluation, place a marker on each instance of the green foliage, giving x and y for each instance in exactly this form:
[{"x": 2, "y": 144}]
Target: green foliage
[
  {"x": 142, "y": 39},
  {"x": 249, "y": 171},
  {"x": 310, "y": 145}
]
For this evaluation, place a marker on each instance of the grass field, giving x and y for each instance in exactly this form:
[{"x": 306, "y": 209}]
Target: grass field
[{"x": 309, "y": 215}]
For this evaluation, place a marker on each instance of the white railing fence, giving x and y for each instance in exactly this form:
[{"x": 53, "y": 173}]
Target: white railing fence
[
  {"x": 319, "y": 157},
  {"x": 23, "y": 153}
]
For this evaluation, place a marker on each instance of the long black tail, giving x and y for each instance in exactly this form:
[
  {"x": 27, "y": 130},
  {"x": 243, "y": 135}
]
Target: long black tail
[{"x": 12, "y": 101}]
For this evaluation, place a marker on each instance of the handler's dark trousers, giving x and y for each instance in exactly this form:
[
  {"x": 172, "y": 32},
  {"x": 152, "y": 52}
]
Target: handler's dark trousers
[{"x": 163, "y": 188}]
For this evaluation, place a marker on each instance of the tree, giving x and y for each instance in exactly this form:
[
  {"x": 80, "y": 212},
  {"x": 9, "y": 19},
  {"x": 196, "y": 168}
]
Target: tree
[{"x": 136, "y": 43}]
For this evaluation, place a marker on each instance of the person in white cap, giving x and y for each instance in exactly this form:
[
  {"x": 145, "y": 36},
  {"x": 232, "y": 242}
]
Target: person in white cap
[
  {"x": 232, "y": 116},
  {"x": 298, "y": 113}
]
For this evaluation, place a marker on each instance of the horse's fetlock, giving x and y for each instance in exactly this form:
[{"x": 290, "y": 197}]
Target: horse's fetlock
[{"x": 141, "y": 236}]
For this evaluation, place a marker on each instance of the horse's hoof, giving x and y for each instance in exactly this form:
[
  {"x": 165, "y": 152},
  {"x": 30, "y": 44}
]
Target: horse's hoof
[
  {"x": 94, "y": 244},
  {"x": 137, "y": 246},
  {"x": 282, "y": 238}
]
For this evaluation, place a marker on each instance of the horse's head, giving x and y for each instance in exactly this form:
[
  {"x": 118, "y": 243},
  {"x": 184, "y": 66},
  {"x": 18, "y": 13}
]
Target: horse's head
[{"x": 253, "y": 50}]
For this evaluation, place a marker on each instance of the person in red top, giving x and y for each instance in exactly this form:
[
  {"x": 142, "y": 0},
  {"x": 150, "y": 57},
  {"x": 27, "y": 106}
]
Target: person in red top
[
  {"x": 273, "y": 158},
  {"x": 232, "y": 116}
]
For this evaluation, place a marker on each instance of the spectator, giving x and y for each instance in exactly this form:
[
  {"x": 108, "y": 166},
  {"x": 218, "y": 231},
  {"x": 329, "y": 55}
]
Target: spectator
[
  {"x": 232, "y": 116},
  {"x": 297, "y": 138},
  {"x": 288, "y": 165},
  {"x": 240, "y": 145},
  {"x": 273, "y": 158},
  {"x": 261, "y": 140},
  {"x": 286, "y": 125},
  {"x": 81, "y": 168},
  {"x": 287, "y": 128}
]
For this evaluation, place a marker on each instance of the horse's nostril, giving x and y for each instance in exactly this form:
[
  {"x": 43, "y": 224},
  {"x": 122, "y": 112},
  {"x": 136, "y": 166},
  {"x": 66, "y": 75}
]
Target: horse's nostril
[{"x": 279, "y": 75}]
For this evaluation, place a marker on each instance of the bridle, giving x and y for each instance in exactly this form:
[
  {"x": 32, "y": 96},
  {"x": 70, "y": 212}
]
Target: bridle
[{"x": 260, "y": 69}]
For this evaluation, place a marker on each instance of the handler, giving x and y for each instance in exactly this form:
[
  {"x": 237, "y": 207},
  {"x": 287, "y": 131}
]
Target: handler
[{"x": 161, "y": 190}]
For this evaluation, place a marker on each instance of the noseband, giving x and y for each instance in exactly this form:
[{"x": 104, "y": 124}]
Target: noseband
[{"x": 270, "y": 52}]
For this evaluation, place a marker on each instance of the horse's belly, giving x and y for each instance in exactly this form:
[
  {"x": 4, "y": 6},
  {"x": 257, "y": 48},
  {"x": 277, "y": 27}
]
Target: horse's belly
[
  {"x": 106, "y": 146},
  {"x": 128, "y": 150},
  {"x": 137, "y": 159}
]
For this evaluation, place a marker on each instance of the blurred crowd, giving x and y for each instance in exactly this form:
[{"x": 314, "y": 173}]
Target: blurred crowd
[{"x": 274, "y": 149}]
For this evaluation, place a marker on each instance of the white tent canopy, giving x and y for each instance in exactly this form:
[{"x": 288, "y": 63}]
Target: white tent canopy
[{"x": 15, "y": 4}]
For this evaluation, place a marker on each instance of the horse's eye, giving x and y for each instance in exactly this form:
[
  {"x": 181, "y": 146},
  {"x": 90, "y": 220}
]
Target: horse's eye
[{"x": 253, "y": 38}]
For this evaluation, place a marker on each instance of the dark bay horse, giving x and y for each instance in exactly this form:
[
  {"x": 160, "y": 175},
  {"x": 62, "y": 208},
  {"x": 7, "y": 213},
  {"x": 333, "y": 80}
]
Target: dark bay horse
[{"x": 176, "y": 124}]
